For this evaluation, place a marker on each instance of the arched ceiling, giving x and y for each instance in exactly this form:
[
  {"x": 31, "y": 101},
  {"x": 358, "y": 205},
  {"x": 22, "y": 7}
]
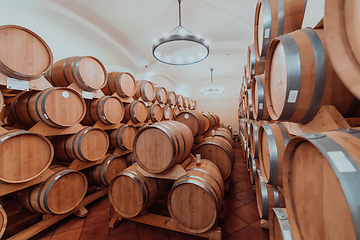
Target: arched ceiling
[{"x": 133, "y": 25}]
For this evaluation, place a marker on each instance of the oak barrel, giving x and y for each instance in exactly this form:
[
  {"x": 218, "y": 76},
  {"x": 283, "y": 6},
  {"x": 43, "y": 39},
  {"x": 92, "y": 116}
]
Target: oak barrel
[
  {"x": 88, "y": 144},
  {"x": 255, "y": 66},
  {"x": 194, "y": 120},
  {"x": 122, "y": 83},
  {"x": 136, "y": 111},
  {"x": 249, "y": 104},
  {"x": 160, "y": 95},
  {"x": 211, "y": 120},
  {"x": 168, "y": 112},
  {"x": 155, "y": 112},
  {"x": 260, "y": 111},
  {"x": 272, "y": 142},
  {"x": 195, "y": 199},
  {"x": 58, "y": 194},
  {"x": 24, "y": 156},
  {"x": 179, "y": 100},
  {"x": 279, "y": 226},
  {"x": 267, "y": 196},
  {"x": 130, "y": 159},
  {"x": 254, "y": 165},
  {"x": 86, "y": 72},
  {"x": 220, "y": 132},
  {"x": 219, "y": 151},
  {"x": 131, "y": 192},
  {"x": 145, "y": 90},
  {"x": 254, "y": 137},
  {"x": 342, "y": 37},
  {"x": 123, "y": 137},
  {"x": 105, "y": 172},
  {"x": 143, "y": 125},
  {"x": 160, "y": 146},
  {"x": 321, "y": 184},
  {"x": 57, "y": 107},
  {"x": 23, "y": 54},
  {"x": 106, "y": 109},
  {"x": 193, "y": 104},
  {"x": 186, "y": 103},
  {"x": 274, "y": 18},
  {"x": 299, "y": 79},
  {"x": 171, "y": 98},
  {"x": 3, "y": 221}
]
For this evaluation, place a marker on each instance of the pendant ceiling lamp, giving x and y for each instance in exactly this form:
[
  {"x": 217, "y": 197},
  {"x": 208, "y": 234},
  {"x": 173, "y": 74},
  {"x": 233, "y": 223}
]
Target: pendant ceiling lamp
[
  {"x": 212, "y": 88},
  {"x": 181, "y": 47}
]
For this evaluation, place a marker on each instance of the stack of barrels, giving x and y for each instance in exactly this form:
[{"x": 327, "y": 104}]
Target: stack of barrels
[{"x": 304, "y": 184}]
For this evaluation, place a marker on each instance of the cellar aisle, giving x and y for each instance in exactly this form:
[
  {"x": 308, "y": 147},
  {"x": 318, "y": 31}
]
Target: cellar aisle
[{"x": 242, "y": 219}]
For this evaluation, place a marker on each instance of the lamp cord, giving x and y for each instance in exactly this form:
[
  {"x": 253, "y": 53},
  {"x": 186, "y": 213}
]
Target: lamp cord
[{"x": 179, "y": 12}]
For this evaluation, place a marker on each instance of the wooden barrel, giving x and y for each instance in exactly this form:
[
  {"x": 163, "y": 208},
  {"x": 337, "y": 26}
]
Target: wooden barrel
[
  {"x": 122, "y": 83},
  {"x": 130, "y": 159},
  {"x": 57, "y": 107},
  {"x": 186, "y": 103},
  {"x": 171, "y": 98},
  {"x": 24, "y": 156},
  {"x": 145, "y": 90},
  {"x": 176, "y": 111},
  {"x": 224, "y": 134},
  {"x": 260, "y": 111},
  {"x": 206, "y": 123},
  {"x": 274, "y": 18},
  {"x": 219, "y": 151},
  {"x": 194, "y": 120},
  {"x": 301, "y": 85},
  {"x": 211, "y": 120},
  {"x": 86, "y": 72},
  {"x": 246, "y": 77},
  {"x": 254, "y": 165},
  {"x": 179, "y": 100},
  {"x": 255, "y": 66},
  {"x": 168, "y": 112},
  {"x": 58, "y": 194},
  {"x": 150, "y": 143},
  {"x": 143, "y": 125},
  {"x": 193, "y": 104},
  {"x": 3, "y": 221},
  {"x": 105, "y": 172},
  {"x": 123, "y": 137},
  {"x": 279, "y": 226},
  {"x": 247, "y": 132},
  {"x": 106, "y": 109},
  {"x": 1, "y": 101},
  {"x": 23, "y": 54},
  {"x": 155, "y": 112},
  {"x": 254, "y": 137},
  {"x": 130, "y": 192},
  {"x": 321, "y": 184},
  {"x": 136, "y": 111},
  {"x": 195, "y": 199},
  {"x": 249, "y": 107},
  {"x": 160, "y": 95},
  {"x": 342, "y": 34},
  {"x": 89, "y": 144},
  {"x": 273, "y": 139},
  {"x": 267, "y": 196}
]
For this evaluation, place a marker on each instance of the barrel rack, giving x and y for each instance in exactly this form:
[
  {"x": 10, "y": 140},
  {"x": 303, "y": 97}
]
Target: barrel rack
[{"x": 166, "y": 222}]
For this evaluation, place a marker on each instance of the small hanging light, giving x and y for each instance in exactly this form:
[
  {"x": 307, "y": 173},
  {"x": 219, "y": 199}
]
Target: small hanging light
[{"x": 212, "y": 88}]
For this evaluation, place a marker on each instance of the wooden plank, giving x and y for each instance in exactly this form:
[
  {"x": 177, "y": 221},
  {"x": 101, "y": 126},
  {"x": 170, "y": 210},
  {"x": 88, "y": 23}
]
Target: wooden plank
[
  {"x": 6, "y": 188},
  {"x": 80, "y": 165},
  {"x": 120, "y": 152},
  {"x": 134, "y": 124},
  {"x": 107, "y": 127},
  {"x": 45, "y": 130},
  {"x": 37, "y": 84},
  {"x": 124, "y": 100},
  {"x": 173, "y": 173},
  {"x": 314, "y": 14},
  {"x": 95, "y": 94},
  {"x": 353, "y": 122}
]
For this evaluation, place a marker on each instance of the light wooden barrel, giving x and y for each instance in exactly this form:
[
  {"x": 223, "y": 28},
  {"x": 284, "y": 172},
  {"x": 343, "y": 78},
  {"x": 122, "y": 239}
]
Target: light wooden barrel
[
  {"x": 176, "y": 111},
  {"x": 179, "y": 100},
  {"x": 143, "y": 125},
  {"x": 171, "y": 98},
  {"x": 211, "y": 120},
  {"x": 57, "y": 107},
  {"x": 136, "y": 111},
  {"x": 296, "y": 85},
  {"x": 3, "y": 221},
  {"x": 130, "y": 192},
  {"x": 160, "y": 95},
  {"x": 86, "y": 72},
  {"x": 246, "y": 78},
  {"x": 168, "y": 112},
  {"x": 342, "y": 37},
  {"x": 58, "y": 194},
  {"x": 220, "y": 132},
  {"x": 194, "y": 120},
  {"x": 267, "y": 196},
  {"x": 206, "y": 123},
  {"x": 255, "y": 66},
  {"x": 145, "y": 90},
  {"x": 193, "y": 104},
  {"x": 321, "y": 183},
  {"x": 274, "y": 18},
  {"x": 219, "y": 151},
  {"x": 122, "y": 83},
  {"x": 123, "y": 137},
  {"x": 130, "y": 159},
  {"x": 151, "y": 142},
  {"x": 23, "y": 54},
  {"x": 195, "y": 198},
  {"x": 254, "y": 165},
  {"x": 155, "y": 112},
  {"x": 279, "y": 226},
  {"x": 186, "y": 103},
  {"x": 89, "y": 144},
  {"x": 1, "y": 101},
  {"x": 247, "y": 132},
  {"x": 105, "y": 172},
  {"x": 260, "y": 111},
  {"x": 106, "y": 109},
  {"x": 272, "y": 141},
  {"x": 254, "y": 137},
  {"x": 24, "y": 156},
  {"x": 249, "y": 107}
]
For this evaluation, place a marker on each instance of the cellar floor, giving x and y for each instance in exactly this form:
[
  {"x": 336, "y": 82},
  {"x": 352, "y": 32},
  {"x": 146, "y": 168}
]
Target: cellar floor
[{"x": 241, "y": 222}]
